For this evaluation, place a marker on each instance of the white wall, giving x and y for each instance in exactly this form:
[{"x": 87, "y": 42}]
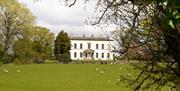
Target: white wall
[{"x": 107, "y": 49}]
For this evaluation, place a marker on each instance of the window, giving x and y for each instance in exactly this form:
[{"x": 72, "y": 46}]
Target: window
[
  {"x": 75, "y": 54},
  {"x": 81, "y": 54},
  {"x": 81, "y": 46},
  {"x": 86, "y": 55},
  {"x": 102, "y": 46},
  {"x": 75, "y": 45},
  {"x": 108, "y": 55},
  {"x": 102, "y": 55},
  {"x": 89, "y": 45},
  {"x": 97, "y": 46},
  {"x": 96, "y": 55}
]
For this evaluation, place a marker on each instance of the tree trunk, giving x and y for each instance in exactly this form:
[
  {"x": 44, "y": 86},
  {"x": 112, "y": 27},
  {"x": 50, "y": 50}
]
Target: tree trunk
[
  {"x": 8, "y": 36},
  {"x": 7, "y": 43},
  {"x": 172, "y": 40}
]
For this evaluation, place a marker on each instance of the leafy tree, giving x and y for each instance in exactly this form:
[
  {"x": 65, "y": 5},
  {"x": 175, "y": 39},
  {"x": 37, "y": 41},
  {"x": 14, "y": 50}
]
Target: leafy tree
[
  {"x": 160, "y": 37},
  {"x": 13, "y": 18},
  {"x": 42, "y": 40},
  {"x": 35, "y": 45},
  {"x": 62, "y": 46},
  {"x": 23, "y": 51}
]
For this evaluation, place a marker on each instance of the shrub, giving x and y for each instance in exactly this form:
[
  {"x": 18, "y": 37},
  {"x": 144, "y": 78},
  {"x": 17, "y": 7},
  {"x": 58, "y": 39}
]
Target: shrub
[
  {"x": 65, "y": 58},
  {"x": 22, "y": 61},
  {"x": 5, "y": 58}
]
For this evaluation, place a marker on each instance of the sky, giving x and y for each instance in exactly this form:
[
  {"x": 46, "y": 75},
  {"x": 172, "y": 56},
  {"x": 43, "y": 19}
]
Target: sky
[{"x": 55, "y": 16}]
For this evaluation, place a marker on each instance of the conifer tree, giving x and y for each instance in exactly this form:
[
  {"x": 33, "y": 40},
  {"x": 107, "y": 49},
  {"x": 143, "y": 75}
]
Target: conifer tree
[{"x": 62, "y": 46}]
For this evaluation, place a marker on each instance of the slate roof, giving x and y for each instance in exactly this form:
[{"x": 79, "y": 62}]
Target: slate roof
[{"x": 91, "y": 38}]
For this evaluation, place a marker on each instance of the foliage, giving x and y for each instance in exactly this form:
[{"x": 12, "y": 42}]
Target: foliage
[
  {"x": 5, "y": 58},
  {"x": 23, "y": 51},
  {"x": 62, "y": 46},
  {"x": 64, "y": 57},
  {"x": 20, "y": 40},
  {"x": 42, "y": 40},
  {"x": 35, "y": 45},
  {"x": 14, "y": 17}
]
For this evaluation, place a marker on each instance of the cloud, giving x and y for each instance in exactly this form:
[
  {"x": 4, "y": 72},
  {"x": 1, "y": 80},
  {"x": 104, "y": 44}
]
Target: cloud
[
  {"x": 73, "y": 30},
  {"x": 56, "y": 17}
]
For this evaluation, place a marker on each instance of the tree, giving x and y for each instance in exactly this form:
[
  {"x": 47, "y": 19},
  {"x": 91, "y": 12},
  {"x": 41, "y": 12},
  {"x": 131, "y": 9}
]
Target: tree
[
  {"x": 13, "y": 18},
  {"x": 128, "y": 46},
  {"x": 23, "y": 50},
  {"x": 35, "y": 45},
  {"x": 62, "y": 46},
  {"x": 160, "y": 38},
  {"x": 42, "y": 40}
]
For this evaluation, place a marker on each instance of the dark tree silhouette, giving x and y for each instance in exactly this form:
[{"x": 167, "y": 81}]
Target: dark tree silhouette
[{"x": 62, "y": 46}]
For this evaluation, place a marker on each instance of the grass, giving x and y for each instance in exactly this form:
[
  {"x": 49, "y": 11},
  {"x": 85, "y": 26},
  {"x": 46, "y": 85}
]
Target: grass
[{"x": 63, "y": 77}]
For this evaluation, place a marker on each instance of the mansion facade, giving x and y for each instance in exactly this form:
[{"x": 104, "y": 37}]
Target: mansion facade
[{"x": 91, "y": 48}]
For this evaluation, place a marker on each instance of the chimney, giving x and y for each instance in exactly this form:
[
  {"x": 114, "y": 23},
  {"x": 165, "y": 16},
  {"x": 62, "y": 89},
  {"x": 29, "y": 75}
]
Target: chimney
[{"x": 84, "y": 35}]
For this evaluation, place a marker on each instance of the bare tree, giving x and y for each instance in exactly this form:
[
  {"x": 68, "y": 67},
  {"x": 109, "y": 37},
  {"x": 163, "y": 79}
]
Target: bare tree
[{"x": 153, "y": 25}]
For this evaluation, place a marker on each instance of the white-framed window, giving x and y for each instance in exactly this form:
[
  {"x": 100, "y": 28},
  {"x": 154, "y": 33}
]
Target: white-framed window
[
  {"x": 89, "y": 45},
  {"x": 97, "y": 46},
  {"x": 75, "y": 46},
  {"x": 108, "y": 55},
  {"x": 81, "y": 46},
  {"x": 75, "y": 54},
  {"x": 81, "y": 54},
  {"x": 102, "y": 55},
  {"x": 97, "y": 55},
  {"x": 102, "y": 46}
]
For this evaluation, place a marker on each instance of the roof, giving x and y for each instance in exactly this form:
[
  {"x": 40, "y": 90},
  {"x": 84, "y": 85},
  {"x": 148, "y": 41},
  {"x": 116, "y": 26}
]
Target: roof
[{"x": 91, "y": 38}]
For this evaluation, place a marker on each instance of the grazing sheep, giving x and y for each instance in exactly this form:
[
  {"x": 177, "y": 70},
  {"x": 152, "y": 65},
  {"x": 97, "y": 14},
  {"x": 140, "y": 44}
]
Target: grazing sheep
[
  {"x": 18, "y": 71},
  {"x": 6, "y": 71},
  {"x": 102, "y": 72},
  {"x": 104, "y": 68},
  {"x": 118, "y": 79}
]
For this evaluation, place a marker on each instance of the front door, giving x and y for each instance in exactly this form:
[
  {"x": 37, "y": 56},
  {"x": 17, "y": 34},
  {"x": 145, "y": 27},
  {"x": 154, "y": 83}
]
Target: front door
[{"x": 88, "y": 55}]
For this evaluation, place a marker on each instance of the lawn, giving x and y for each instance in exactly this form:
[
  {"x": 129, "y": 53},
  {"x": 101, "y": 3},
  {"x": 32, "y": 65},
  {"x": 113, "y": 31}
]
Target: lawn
[{"x": 63, "y": 77}]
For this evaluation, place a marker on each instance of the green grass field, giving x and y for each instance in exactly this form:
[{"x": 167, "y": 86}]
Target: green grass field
[{"x": 63, "y": 77}]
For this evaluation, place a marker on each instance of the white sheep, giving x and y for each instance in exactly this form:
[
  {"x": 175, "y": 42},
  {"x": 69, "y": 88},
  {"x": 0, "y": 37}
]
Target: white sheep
[
  {"x": 5, "y": 70},
  {"x": 102, "y": 72},
  {"x": 18, "y": 71},
  {"x": 118, "y": 79}
]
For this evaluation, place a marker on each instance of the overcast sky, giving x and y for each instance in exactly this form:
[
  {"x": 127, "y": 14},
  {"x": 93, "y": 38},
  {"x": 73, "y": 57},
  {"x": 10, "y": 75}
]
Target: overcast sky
[{"x": 53, "y": 15}]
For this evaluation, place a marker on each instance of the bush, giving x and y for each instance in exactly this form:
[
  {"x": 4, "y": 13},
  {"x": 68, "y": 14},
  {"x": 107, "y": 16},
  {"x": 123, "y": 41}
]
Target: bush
[
  {"x": 17, "y": 61},
  {"x": 50, "y": 61},
  {"x": 22, "y": 61},
  {"x": 1, "y": 63},
  {"x": 5, "y": 58},
  {"x": 38, "y": 60},
  {"x": 65, "y": 58}
]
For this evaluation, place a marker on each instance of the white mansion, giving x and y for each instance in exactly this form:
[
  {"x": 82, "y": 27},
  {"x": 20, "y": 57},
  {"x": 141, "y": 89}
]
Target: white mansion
[{"x": 91, "y": 48}]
